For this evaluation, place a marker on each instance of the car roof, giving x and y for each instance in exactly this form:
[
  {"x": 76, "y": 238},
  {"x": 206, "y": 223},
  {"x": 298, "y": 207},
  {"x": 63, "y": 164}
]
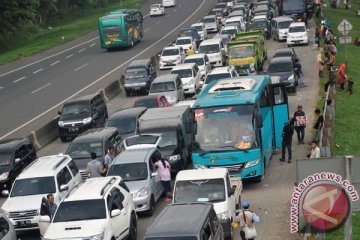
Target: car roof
[
  {"x": 217, "y": 70},
  {"x": 183, "y": 66},
  {"x": 281, "y": 60},
  {"x": 188, "y": 28},
  {"x": 200, "y": 174},
  {"x": 190, "y": 216},
  {"x": 130, "y": 112},
  {"x": 284, "y": 50},
  {"x": 233, "y": 18},
  {"x": 148, "y": 98},
  {"x": 197, "y": 24},
  {"x": 44, "y": 166},
  {"x": 197, "y": 55},
  {"x": 186, "y": 37},
  {"x": 210, "y": 16},
  {"x": 210, "y": 41},
  {"x": 260, "y": 17},
  {"x": 139, "y": 63},
  {"x": 229, "y": 27},
  {"x": 282, "y": 18},
  {"x": 165, "y": 78},
  {"x": 132, "y": 156},
  {"x": 94, "y": 134},
  {"x": 9, "y": 144},
  {"x": 295, "y": 24},
  {"x": 172, "y": 47},
  {"x": 86, "y": 98}
]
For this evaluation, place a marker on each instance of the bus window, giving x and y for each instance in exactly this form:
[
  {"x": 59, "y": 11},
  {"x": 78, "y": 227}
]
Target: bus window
[
  {"x": 278, "y": 95},
  {"x": 264, "y": 100}
]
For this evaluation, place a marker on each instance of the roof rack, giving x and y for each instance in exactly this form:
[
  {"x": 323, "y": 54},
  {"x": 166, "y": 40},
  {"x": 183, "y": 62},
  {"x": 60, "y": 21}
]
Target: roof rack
[
  {"x": 64, "y": 158},
  {"x": 108, "y": 184}
]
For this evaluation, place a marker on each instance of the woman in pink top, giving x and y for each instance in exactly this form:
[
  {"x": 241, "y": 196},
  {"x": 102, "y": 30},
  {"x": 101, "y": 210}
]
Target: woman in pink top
[{"x": 163, "y": 168}]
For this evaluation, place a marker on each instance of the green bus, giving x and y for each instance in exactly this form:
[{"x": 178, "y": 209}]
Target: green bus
[{"x": 121, "y": 28}]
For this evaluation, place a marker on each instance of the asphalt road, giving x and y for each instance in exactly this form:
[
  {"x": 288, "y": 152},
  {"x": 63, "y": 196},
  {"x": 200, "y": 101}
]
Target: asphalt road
[{"x": 33, "y": 90}]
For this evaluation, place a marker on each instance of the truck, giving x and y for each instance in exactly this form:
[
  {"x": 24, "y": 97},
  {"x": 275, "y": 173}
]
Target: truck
[
  {"x": 173, "y": 124},
  {"x": 212, "y": 185},
  {"x": 254, "y": 35},
  {"x": 296, "y": 8}
]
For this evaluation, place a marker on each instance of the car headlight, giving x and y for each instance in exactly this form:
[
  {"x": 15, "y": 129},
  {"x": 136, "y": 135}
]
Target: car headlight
[
  {"x": 4, "y": 176},
  {"x": 199, "y": 166},
  {"x": 2, "y": 211},
  {"x": 96, "y": 237},
  {"x": 252, "y": 163},
  {"x": 223, "y": 215},
  {"x": 60, "y": 123},
  {"x": 174, "y": 158},
  {"x": 291, "y": 78},
  {"x": 141, "y": 193},
  {"x": 87, "y": 120}
]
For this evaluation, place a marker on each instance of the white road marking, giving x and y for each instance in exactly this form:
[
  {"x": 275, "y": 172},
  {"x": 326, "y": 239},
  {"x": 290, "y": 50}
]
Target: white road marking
[
  {"x": 40, "y": 60},
  {"x": 168, "y": 15},
  {"x": 39, "y": 70},
  {"x": 104, "y": 76},
  {"x": 54, "y": 63},
  {"x": 76, "y": 69},
  {"x": 146, "y": 29},
  {"x": 69, "y": 56},
  {"x": 81, "y": 50},
  {"x": 91, "y": 45},
  {"x": 46, "y": 85},
  {"x": 158, "y": 22},
  {"x": 19, "y": 79}
]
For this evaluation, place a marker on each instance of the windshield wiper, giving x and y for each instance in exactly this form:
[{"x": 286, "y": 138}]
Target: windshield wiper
[{"x": 171, "y": 145}]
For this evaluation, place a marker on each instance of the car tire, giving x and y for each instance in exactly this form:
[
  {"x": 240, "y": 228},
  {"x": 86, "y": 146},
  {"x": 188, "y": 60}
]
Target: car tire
[
  {"x": 150, "y": 212},
  {"x": 133, "y": 228}
]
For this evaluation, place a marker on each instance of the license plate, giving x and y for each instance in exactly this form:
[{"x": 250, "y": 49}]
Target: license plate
[
  {"x": 136, "y": 88},
  {"x": 75, "y": 129},
  {"x": 22, "y": 223}
]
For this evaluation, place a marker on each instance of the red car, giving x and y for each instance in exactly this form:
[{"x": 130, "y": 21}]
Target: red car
[{"x": 152, "y": 101}]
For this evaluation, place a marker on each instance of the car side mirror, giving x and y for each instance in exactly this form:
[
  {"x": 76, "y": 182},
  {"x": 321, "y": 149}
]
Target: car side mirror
[
  {"x": 231, "y": 191},
  {"x": 17, "y": 160},
  {"x": 44, "y": 218},
  {"x": 63, "y": 187},
  {"x": 5, "y": 193},
  {"x": 115, "y": 213},
  {"x": 154, "y": 174},
  {"x": 59, "y": 113}
]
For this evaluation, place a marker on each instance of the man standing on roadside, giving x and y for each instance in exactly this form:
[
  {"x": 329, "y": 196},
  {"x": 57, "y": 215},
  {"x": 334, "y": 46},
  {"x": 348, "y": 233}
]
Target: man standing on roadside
[
  {"x": 94, "y": 166},
  {"x": 287, "y": 134},
  {"x": 318, "y": 125},
  {"x": 109, "y": 157},
  {"x": 300, "y": 124},
  {"x": 299, "y": 73},
  {"x": 315, "y": 150}
]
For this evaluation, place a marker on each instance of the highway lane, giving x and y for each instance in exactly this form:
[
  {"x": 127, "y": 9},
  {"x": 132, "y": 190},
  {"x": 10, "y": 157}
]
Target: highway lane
[{"x": 32, "y": 95}]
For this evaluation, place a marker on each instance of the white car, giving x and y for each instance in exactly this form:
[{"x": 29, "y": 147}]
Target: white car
[
  {"x": 298, "y": 34},
  {"x": 211, "y": 23},
  {"x": 157, "y": 10},
  {"x": 100, "y": 208},
  {"x": 220, "y": 73},
  {"x": 190, "y": 77},
  {"x": 171, "y": 56},
  {"x": 186, "y": 43},
  {"x": 203, "y": 63},
  {"x": 200, "y": 28},
  {"x": 215, "y": 50},
  {"x": 169, "y": 3},
  {"x": 237, "y": 21},
  {"x": 142, "y": 141},
  {"x": 230, "y": 30}
]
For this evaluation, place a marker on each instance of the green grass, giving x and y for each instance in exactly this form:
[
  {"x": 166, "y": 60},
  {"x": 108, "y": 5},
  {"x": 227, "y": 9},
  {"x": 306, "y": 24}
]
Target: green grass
[
  {"x": 347, "y": 125},
  {"x": 73, "y": 26}
]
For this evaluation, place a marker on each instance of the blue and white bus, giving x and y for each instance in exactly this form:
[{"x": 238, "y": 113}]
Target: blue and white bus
[{"x": 238, "y": 123}]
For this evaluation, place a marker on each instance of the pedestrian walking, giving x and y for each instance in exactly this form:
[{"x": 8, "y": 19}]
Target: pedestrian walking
[
  {"x": 318, "y": 125},
  {"x": 109, "y": 157},
  {"x": 163, "y": 168},
  {"x": 94, "y": 167},
  {"x": 326, "y": 49},
  {"x": 299, "y": 73},
  {"x": 331, "y": 61},
  {"x": 300, "y": 121},
  {"x": 247, "y": 220},
  {"x": 317, "y": 37},
  {"x": 315, "y": 150},
  {"x": 320, "y": 63},
  {"x": 341, "y": 79},
  {"x": 190, "y": 51},
  {"x": 288, "y": 132}
]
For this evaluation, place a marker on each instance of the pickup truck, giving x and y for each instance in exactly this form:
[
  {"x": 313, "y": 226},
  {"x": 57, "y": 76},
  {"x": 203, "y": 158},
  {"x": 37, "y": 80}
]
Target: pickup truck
[{"x": 210, "y": 185}]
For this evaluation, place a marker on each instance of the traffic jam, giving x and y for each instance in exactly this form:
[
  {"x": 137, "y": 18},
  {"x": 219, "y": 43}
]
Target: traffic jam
[{"x": 205, "y": 118}]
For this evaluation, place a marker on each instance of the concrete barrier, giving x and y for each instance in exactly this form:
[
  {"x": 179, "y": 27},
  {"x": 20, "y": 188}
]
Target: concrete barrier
[
  {"x": 112, "y": 90},
  {"x": 45, "y": 134}
]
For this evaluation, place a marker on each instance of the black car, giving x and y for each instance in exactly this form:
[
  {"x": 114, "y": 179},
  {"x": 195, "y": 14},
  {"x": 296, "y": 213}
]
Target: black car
[
  {"x": 263, "y": 25},
  {"x": 15, "y": 155},
  {"x": 286, "y": 52},
  {"x": 191, "y": 32},
  {"x": 284, "y": 68},
  {"x": 81, "y": 114}
]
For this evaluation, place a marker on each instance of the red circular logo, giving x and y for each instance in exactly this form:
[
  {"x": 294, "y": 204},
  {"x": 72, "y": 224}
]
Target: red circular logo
[{"x": 325, "y": 206}]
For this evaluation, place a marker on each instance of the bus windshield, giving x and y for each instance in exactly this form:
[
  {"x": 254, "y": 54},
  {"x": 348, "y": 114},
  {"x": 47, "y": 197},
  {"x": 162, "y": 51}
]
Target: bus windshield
[{"x": 224, "y": 128}]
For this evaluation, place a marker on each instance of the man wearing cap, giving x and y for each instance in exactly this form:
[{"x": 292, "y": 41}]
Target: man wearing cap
[
  {"x": 246, "y": 217},
  {"x": 300, "y": 124}
]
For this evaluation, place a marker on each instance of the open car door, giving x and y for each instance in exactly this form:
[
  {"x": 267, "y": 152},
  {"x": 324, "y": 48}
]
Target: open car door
[{"x": 45, "y": 216}]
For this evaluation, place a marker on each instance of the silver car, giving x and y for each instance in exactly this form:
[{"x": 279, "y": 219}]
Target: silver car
[
  {"x": 7, "y": 231},
  {"x": 170, "y": 86},
  {"x": 136, "y": 168}
]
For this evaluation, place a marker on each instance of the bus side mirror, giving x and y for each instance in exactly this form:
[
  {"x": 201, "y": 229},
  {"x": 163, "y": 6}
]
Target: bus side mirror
[{"x": 258, "y": 118}]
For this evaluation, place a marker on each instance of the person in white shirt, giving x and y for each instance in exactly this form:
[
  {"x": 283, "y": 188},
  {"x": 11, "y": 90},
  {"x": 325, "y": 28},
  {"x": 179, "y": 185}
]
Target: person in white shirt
[
  {"x": 315, "y": 150},
  {"x": 246, "y": 217}
]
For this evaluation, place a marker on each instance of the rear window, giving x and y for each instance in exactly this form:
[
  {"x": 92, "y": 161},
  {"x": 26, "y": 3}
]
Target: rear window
[
  {"x": 280, "y": 67},
  {"x": 162, "y": 87},
  {"x": 214, "y": 77},
  {"x": 149, "y": 103}
]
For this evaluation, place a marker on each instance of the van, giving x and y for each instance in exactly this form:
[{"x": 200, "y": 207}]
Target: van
[
  {"x": 190, "y": 77},
  {"x": 280, "y": 27},
  {"x": 81, "y": 114},
  {"x": 170, "y": 85},
  {"x": 96, "y": 140},
  {"x": 139, "y": 75},
  {"x": 211, "y": 23},
  {"x": 214, "y": 48},
  {"x": 202, "y": 225},
  {"x": 235, "y": 21}
]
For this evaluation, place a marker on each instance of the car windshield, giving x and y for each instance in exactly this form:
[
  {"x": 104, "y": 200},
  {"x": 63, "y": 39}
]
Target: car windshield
[
  {"x": 129, "y": 171},
  {"x": 148, "y": 103},
  {"x": 135, "y": 72},
  {"x": 33, "y": 186},
  {"x": 229, "y": 31},
  {"x": 296, "y": 29},
  {"x": 142, "y": 139},
  {"x": 123, "y": 125},
  {"x": 209, "y": 20},
  {"x": 156, "y": 6},
  {"x": 83, "y": 150},
  {"x": 215, "y": 77},
  {"x": 208, "y": 49},
  {"x": 74, "y": 109},
  {"x": 224, "y": 127},
  {"x": 283, "y": 25},
  {"x": 5, "y": 158},
  {"x": 183, "y": 41},
  {"x": 168, "y": 138},
  {"x": 170, "y": 52},
  {"x": 198, "y": 28},
  {"x": 183, "y": 73},
  {"x": 241, "y": 52},
  {"x": 162, "y": 87},
  {"x": 206, "y": 190},
  {"x": 259, "y": 24},
  {"x": 280, "y": 67},
  {"x": 81, "y": 210},
  {"x": 197, "y": 61}
]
